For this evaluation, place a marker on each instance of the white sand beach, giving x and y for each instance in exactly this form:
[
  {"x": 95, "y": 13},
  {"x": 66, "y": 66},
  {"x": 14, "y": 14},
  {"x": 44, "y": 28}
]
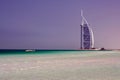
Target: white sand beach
[{"x": 92, "y": 65}]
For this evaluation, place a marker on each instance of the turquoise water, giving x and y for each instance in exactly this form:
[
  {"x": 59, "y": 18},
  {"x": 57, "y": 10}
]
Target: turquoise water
[{"x": 22, "y": 52}]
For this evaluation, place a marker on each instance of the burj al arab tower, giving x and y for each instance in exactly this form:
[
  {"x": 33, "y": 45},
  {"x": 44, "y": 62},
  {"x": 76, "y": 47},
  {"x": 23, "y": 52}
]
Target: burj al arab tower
[{"x": 87, "y": 37}]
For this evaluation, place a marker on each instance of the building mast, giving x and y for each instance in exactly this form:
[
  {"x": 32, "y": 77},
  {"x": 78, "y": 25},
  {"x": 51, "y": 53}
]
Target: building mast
[{"x": 81, "y": 47}]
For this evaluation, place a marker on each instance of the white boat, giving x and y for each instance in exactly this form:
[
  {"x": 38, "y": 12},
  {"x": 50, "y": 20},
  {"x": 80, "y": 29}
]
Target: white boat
[{"x": 29, "y": 50}]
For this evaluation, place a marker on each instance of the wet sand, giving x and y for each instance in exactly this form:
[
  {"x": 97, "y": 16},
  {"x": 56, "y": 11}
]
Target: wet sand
[{"x": 93, "y": 65}]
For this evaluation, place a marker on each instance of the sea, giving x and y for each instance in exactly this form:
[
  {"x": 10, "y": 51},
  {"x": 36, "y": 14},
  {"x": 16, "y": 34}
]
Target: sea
[{"x": 32, "y": 51}]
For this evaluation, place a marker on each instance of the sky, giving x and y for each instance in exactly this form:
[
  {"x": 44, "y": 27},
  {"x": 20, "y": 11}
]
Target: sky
[{"x": 55, "y": 24}]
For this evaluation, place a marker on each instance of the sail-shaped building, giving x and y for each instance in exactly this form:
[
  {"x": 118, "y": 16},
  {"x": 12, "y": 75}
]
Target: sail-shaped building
[{"x": 87, "y": 37}]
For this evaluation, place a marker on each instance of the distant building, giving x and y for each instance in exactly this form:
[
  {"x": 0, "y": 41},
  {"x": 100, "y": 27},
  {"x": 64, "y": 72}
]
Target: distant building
[{"x": 87, "y": 37}]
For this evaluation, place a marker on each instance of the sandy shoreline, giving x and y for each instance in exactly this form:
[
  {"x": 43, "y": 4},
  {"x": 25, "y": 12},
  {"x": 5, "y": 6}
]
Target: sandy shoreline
[{"x": 73, "y": 66}]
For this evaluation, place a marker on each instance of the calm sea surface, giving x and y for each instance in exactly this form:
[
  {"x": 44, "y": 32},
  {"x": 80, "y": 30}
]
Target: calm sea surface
[{"x": 19, "y": 52}]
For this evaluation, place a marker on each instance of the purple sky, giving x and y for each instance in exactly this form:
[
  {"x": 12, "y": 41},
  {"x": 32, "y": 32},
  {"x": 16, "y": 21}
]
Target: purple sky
[{"x": 54, "y": 24}]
